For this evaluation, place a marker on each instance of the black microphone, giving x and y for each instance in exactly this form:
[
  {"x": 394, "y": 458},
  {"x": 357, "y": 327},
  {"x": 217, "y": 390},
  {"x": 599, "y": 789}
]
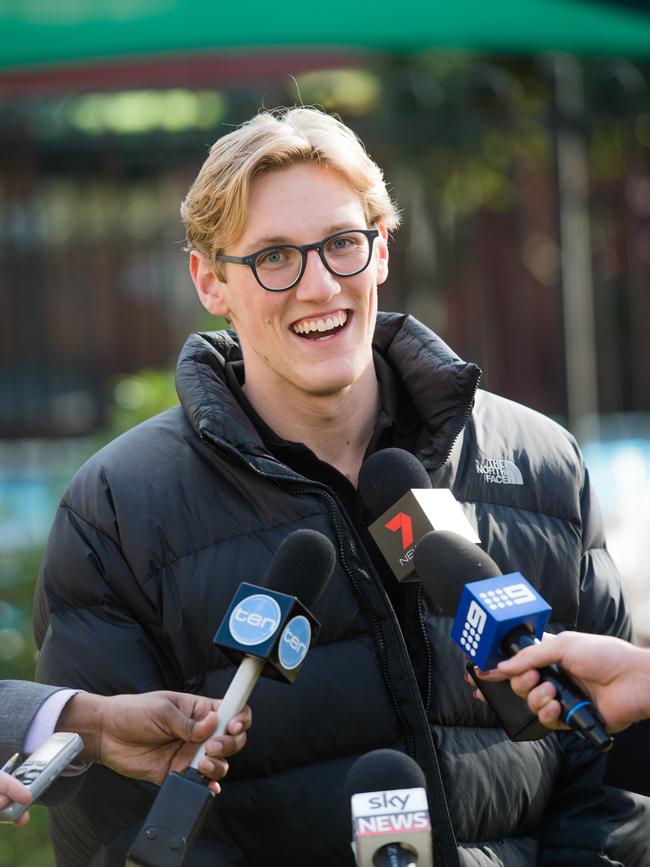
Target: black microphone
[
  {"x": 397, "y": 492},
  {"x": 267, "y": 632},
  {"x": 395, "y": 486},
  {"x": 390, "y": 826},
  {"x": 496, "y": 616}
]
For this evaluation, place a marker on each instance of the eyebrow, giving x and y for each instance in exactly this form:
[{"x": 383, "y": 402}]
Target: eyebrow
[{"x": 272, "y": 240}]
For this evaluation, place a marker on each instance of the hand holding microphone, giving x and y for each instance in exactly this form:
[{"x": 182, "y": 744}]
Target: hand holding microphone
[
  {"x": 615, "y": 674},
  {"x": 496, "y": 616},
  {"x": 267, "y": 632}
]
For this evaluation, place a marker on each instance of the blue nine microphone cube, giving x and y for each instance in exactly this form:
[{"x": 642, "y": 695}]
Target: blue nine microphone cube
[
  {"x": 270, "y": 625},
  {"x": 490, "y": 609}
]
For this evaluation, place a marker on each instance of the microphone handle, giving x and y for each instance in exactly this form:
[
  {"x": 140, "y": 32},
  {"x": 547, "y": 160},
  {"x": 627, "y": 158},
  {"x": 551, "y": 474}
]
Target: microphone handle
[
  {"x": 578, "y": 711},
  {"x": 395, "y": 855},
  {"x": 237, "y": 694}
]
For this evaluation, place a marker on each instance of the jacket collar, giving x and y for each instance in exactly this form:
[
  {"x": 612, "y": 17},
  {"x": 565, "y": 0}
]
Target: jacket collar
[{"x": 440, "y": 384}]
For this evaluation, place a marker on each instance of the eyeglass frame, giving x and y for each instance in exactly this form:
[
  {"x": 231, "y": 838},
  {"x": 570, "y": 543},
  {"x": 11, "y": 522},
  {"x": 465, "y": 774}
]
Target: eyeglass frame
[{"x": 303, "y": 249}]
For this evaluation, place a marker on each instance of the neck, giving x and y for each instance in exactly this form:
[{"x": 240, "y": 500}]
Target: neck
[{"x": 336, "y": 427}]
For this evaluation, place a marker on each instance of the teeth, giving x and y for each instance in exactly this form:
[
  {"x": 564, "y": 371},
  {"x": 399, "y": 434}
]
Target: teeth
[{"x": 320, "y": 325}]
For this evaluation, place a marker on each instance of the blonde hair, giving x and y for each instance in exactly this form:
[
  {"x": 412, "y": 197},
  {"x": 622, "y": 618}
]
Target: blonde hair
[{"x": 215, "y": 208}]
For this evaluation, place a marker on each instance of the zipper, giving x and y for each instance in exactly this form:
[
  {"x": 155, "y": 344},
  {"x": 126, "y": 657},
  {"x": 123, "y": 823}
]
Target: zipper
[
  {"x": 440, "y": 848},
  {"x": 427, "y": 646},
  {"x": 282, "y": 481},
  {"x": 377, "y": 630},
  {"x": 469, "y": 406}
]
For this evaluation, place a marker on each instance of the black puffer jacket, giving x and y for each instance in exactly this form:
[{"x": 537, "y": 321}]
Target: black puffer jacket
[{"x": 157, "y": 530}]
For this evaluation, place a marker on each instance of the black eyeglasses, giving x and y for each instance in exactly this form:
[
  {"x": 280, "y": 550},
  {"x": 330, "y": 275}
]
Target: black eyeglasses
[{"x": 280, "y": 267}]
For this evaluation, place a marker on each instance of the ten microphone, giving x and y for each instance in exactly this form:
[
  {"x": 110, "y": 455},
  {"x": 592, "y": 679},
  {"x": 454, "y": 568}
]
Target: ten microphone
[
  {"x": 496, "y": 616},
  {"x": 390, "y": 826},
  {"x": 267, "y": 632},
  {"x": 397, "y": 492}
]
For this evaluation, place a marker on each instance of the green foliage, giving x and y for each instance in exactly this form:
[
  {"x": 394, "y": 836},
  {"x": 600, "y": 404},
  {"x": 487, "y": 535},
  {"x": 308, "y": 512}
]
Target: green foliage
[
  {"x": 144, "y": 394},
  {"x": 138, "y": 397},
  {"x": 28, "y": 846}
]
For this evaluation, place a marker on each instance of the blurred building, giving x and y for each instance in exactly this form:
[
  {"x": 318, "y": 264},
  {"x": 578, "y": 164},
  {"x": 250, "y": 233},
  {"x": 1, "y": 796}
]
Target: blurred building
[{"x": 94, "y": 164}]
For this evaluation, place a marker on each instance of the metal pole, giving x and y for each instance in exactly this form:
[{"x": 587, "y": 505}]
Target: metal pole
[{"x": 575, "y": 244}]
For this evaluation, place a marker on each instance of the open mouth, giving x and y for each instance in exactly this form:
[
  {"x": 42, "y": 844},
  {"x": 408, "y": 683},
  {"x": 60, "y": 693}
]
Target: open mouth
[{"x": 321, "y": 328}]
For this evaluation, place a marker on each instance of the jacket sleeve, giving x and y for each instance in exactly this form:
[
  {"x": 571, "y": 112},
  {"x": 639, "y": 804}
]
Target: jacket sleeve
[
  {"x": 589, "y": 823},
  {"x": 93, "y": 623},
  {"x": 20, "y": 701}
]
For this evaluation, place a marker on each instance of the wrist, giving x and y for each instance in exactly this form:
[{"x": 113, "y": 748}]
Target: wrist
[{"x": 84, "y": 714}]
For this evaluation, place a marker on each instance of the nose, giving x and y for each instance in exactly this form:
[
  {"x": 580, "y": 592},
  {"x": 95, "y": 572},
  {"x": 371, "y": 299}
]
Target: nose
[{"x": 317, "y": 283}]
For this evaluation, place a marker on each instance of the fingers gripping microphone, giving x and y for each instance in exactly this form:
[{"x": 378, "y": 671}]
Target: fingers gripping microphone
[
  {"x": 390, "y": 827},
  {"x": 397, "y": 491},
  {"x": 495, "y": 617},
  {"x": 266, "y": 632}
]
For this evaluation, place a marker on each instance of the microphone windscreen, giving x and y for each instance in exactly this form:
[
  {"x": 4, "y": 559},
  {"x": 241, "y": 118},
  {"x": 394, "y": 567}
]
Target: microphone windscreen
[
  {"x": 386, "y": 476},
  {"x": 302, "y": 566},
  {"x": 382, "y": 770},
  {"x": 445, "y": 562}
]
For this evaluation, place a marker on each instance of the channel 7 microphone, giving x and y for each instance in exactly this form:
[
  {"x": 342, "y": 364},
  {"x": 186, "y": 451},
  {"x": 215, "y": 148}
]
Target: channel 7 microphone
[
  {"x": 390, "y": 826},
  {"x": 265, "y": 632},
  {"x": 496, "y": 616},
  {"x": 397, "y": 492}
]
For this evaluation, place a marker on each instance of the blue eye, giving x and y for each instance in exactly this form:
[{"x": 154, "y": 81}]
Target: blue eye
[{"x": 272, "y": 258}]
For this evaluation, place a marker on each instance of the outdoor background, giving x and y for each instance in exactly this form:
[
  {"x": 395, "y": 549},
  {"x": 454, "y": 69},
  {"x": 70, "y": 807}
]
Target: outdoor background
[{"x": 518, "y": 148}]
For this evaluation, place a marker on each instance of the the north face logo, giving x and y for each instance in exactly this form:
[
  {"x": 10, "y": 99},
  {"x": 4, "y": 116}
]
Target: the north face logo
[{"x": 499, "y": 472}]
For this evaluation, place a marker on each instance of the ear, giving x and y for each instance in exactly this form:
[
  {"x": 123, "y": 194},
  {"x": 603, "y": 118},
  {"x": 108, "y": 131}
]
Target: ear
[
  {"x": 381, "y": 245},
  {"x": 212, "y": 292}
]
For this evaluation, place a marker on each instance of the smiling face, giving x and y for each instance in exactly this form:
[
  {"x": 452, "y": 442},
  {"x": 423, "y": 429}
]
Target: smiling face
[{"x": 313, "y": 339}]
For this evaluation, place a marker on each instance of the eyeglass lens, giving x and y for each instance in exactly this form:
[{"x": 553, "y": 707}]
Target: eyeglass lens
[{"x": 278, "y": 267}]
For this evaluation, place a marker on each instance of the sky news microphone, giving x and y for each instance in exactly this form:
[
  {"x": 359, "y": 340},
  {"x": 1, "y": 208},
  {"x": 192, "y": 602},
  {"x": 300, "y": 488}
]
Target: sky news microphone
[
  {"x": 390, "y": 826},
  {"x": 397, "y": 492},
  {"x": 496, "y": 616},
  {"x": 265, "y": 632}
]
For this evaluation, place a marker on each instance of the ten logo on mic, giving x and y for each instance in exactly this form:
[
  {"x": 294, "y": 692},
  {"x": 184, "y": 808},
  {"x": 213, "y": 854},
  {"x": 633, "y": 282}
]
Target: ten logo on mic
[{"x": 269, "y": 625}]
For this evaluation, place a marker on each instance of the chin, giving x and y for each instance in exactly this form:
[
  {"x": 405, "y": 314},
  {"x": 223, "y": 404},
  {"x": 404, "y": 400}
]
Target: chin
[
  {"x": 329, "y": 387},
  {"x": 329, "y": 380}
]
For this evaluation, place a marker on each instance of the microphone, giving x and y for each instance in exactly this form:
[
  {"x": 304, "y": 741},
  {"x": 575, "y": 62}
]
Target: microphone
[
  {"x": 394, "y": 485},
  {"x": 397, "y": 492},
  {"x": 266, "y": 632},
  {"x": 390, "y": 827},
  {"x": 496, "y": 616}
]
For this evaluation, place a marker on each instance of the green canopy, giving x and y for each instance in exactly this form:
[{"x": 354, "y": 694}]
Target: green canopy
[{"x": 43, "y": 32}]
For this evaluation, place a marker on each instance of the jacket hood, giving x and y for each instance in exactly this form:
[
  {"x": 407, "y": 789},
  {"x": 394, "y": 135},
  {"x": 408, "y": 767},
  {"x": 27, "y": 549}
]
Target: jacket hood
[{"x": 443, "y": 398}]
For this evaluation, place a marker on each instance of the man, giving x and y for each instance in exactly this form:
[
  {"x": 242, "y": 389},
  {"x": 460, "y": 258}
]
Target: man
[
  {"x": 287, "y": 226},
  {"x": 142, "y": 736},
  {"x": 615, "y": 675}
]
